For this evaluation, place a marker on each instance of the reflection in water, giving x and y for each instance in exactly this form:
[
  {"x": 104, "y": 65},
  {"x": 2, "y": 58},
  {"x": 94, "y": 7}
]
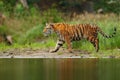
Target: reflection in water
[
  {"x": 76, "y": 69},
  {"x": 109, "y": 69},
  {"x": 59, "y": 69}
]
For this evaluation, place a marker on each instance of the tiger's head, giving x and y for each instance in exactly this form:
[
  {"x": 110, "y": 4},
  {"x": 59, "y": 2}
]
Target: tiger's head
[{"x": 48, "y": 29}]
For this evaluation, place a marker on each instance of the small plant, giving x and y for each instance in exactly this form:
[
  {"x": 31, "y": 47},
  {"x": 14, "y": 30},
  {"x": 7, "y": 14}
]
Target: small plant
[{"x": 31, "y": 34}]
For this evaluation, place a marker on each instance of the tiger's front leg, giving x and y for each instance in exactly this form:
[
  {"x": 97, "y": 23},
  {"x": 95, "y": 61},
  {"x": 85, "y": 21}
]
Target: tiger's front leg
[{"x": 58, "y": 45}]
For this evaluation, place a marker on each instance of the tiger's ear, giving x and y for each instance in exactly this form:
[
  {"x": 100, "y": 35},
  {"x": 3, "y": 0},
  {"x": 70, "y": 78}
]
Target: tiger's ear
[{"x": 51, "y": 24}]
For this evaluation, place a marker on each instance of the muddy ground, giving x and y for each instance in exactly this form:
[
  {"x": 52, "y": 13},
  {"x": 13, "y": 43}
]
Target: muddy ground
[
  {"x": 38, "y": 53},
  {"x": 44, "y": 53}
]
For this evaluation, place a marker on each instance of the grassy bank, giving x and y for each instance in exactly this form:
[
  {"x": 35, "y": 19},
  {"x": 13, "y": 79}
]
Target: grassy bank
[{"x": 27, "y": 30}]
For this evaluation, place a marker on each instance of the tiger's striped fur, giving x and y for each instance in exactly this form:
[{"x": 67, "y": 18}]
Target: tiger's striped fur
[{"x": 68, "y": 33}]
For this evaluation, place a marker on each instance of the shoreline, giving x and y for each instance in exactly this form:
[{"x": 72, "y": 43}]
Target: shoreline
[
  {"x": 39, "y": 53},
  {"x": 41, "y": 57}
]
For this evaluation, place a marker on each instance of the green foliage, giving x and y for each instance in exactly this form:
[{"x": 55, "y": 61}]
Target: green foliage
[
  {"x": 19, "y": 10},
  {"x": 26, "y": 26},
  {"x": 32, "y": 34},
  {"x": 7, "y": 5},
  {"x": 2, "y": 30},
  {"x": 1, "y": 5},
  {"x": 52, "y": 15},
  {"x": 108, "y": 5}
]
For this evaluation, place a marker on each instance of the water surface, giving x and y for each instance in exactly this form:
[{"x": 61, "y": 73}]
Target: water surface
[{"x": 60, "y": 69}]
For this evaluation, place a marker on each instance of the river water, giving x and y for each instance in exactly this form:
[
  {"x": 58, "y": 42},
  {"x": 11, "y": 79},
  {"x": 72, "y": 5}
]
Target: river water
[{"x": 60, "y": 69}]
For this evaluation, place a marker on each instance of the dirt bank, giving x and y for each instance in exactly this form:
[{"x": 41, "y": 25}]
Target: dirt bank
[{"x": 38, "y": 53}]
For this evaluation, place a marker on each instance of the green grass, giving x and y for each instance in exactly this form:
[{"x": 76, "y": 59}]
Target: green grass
[
  {"x": 36, "y": 45},
  {"x": 27, "y": 32}
]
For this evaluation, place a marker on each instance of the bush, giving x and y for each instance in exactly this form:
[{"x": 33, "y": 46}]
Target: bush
[
  {"x": 31, "y": 35},
  {"x": 52, "y": 15},
  {"x": 108, "y": 5}
]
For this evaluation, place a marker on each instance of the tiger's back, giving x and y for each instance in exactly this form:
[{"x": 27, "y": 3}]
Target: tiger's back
[{"x": 80, "y": 31}]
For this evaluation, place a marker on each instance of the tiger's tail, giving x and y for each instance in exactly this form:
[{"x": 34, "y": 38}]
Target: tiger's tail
[{"x": 107, "y": 36}]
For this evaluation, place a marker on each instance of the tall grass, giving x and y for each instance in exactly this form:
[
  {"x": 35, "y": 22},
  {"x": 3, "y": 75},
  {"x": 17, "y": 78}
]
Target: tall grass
[
  {"x": 27, "y": 29},
  {"x": 31, "y": 34}
]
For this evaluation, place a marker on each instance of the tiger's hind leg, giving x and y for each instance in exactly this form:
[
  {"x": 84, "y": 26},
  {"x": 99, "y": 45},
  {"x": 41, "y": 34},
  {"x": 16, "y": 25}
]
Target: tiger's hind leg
[
  {"x": 95, "y": 42},
  {"x": 69, "y": 45},
  {"x": 58, "y": 45}
]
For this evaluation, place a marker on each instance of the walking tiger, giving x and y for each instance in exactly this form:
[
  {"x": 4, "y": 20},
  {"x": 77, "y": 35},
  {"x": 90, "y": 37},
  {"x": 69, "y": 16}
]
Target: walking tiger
[{"x": 67, "y": 33}]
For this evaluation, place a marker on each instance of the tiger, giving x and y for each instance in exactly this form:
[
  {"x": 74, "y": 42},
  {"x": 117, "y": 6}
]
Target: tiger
[{"x": 67, "y": 33}]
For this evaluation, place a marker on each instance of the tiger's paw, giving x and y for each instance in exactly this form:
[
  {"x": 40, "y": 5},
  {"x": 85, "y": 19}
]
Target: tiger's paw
[
  {"x": 52, "y": 51},
  {"x": 70, "y": 51}
]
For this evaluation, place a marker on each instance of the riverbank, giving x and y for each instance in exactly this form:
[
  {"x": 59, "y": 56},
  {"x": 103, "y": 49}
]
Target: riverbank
[
  {"x": 29, "y": 41},
  {"x": 38, "y": 53}
]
